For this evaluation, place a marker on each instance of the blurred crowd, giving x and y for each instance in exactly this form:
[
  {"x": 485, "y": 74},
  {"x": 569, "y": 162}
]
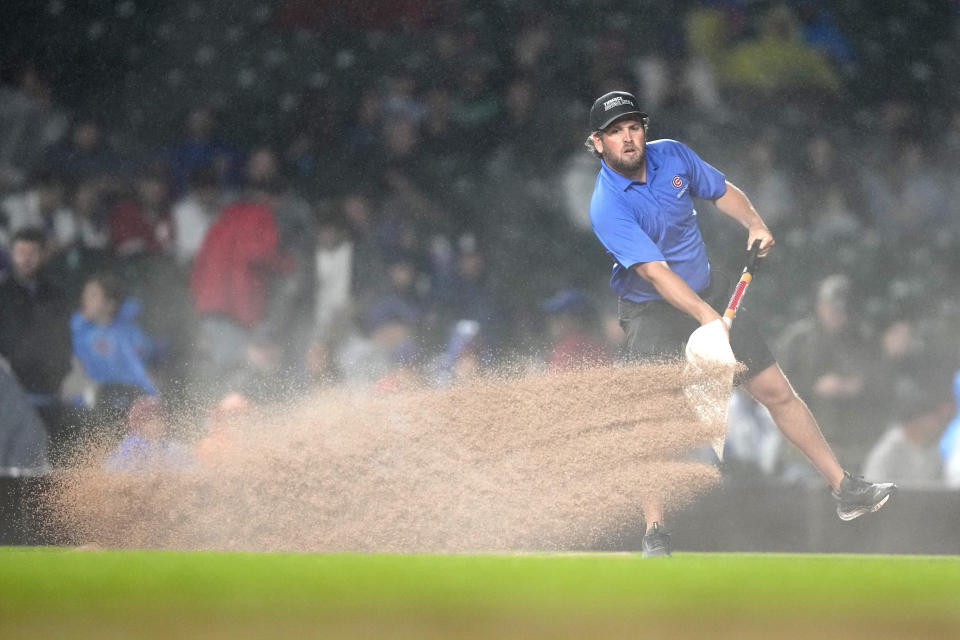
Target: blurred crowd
[{"x": 244, "y": 202}]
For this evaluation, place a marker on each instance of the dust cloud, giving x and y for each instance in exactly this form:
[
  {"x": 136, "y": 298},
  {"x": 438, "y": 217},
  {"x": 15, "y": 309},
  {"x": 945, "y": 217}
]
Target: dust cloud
[{"x": 541, "y": 461}]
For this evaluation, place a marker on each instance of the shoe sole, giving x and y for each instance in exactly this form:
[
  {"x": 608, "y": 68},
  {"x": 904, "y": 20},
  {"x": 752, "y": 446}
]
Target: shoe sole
[{"x": 852, "y": 515}]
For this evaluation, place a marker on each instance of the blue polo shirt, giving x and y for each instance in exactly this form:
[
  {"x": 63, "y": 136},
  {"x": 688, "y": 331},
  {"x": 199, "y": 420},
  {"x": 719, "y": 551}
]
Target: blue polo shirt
[{"x": 655, "y": 220}]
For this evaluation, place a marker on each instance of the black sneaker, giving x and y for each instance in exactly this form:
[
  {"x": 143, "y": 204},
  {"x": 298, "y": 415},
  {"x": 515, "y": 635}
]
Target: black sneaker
[
  {"x": 656, "y": 543},
  {"x": 857, "y": 496}
]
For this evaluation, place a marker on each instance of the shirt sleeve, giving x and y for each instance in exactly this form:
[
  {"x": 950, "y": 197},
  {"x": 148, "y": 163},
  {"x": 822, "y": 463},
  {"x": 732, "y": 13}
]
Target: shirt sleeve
[
  {"x": 621, "y": 234},
  {"x": 705, "y": 180}
]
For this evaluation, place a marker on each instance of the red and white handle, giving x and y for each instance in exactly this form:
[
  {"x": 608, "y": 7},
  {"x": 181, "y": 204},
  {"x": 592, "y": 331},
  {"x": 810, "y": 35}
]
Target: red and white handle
[{"x": 742, "y": 285}]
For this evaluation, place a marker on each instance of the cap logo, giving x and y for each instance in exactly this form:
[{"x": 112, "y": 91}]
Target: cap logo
[{"x": 616, "y": 102}]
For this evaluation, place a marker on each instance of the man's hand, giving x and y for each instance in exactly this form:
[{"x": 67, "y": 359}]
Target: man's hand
[
  {"x": 710, "y": 344},
  {"x": 762, "y": 233}
]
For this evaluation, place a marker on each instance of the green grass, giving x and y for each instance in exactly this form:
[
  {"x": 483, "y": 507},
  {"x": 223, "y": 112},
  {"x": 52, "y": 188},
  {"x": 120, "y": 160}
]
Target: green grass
[{"x": 53, "y": 592}]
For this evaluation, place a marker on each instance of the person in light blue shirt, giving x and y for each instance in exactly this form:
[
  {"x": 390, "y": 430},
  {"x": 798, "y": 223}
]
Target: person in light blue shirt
[
  {"x": 950, "y": 441},
  {"x": 642, "y": 212},
  {"x": 106, "y": 339}
]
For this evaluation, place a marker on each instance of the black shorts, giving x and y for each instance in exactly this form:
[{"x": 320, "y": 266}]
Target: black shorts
[{"x": 656, "y": 330}]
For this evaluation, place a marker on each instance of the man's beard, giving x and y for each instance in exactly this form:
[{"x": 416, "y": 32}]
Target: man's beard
[{"x": 625, "y": 167}]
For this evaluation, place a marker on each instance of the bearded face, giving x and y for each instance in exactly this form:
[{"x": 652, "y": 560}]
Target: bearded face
[{"x": 622, "y": 145}]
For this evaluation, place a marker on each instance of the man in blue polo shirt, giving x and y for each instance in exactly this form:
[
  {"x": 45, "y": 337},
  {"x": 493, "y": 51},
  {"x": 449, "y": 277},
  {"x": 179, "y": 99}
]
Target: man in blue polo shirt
[{"x": 642, "y": 211}]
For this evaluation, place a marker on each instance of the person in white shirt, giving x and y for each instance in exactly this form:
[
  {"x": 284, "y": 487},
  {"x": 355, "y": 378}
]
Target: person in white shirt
[
  {"x": 907, "y": 453},
  {"x": 195, "y": 212}
]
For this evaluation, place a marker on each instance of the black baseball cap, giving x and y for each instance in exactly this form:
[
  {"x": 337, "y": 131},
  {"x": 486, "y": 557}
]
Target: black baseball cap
[{"x": 611, "y": 106}]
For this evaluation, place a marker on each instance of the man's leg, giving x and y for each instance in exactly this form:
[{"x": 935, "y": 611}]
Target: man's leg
[
  {"x": 654, "y": 330},
  {"x": 652, "y": 511},
  {"x": 855, "y": 496},
  {"x": 771, "y": 388},
  {"x": 656, "y": 543}
]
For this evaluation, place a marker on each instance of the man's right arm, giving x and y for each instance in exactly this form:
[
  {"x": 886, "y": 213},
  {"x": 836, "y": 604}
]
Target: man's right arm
[{"x": 675, "y": 291}]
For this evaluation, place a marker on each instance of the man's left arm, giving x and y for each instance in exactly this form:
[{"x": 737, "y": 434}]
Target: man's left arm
[{"x": 737, "y": 205}]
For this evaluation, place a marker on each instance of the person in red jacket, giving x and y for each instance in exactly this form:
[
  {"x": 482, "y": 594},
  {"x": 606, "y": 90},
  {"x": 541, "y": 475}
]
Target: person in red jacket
[{"x": 232, "y": 276}]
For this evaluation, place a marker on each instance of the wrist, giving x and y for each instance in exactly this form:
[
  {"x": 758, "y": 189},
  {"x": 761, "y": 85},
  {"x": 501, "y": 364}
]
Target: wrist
[{"x": 707, "y": 316}]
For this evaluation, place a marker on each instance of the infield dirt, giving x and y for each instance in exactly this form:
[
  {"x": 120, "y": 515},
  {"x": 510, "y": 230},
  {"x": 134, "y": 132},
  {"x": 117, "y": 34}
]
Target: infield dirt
[{"x": 543, "y": 461}]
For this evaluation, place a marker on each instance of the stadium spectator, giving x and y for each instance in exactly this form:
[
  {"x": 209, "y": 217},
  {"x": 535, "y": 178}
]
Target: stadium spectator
[
  {"x": 140, "y": 222},
  {"x": 364, "y": 126},
  {"x": 41, "y": 205},
  {"x": 439, "y": 132},
  {"x": 290, "y": 310},
  {"x": 147, "y": 447},
  {"x": 762, "y": 165},
  {"x": 333, "y": 275},
  {"x": 572, "y": 329},
  {"x": 824, "y": 165},
  {"x": 411, "y": 197},
  {"x": 952, "y": 469},
  {"x": 87, "y": 202},
  {"x": 262, "y": 375},
  {"x": 84, "y": 154},
  {"x": 477, "y": 108},
  {"x": 401, "y": 97},
  {"x": 777, "y": 64},
  {"x": 201, "y": 146},
  {"x": 462, "y": 357},
  {"x": 949, "y": 445},
  {"x": 382, "y": 347},
  {"x": 361, "y": 216},
  {"x": 84, "y": 249},
  {"x": 709, "y": 31},
  {"x": 343, "y": 271},
  {"x": 826, "y": 357},
  {"x": 898, "y": 356},
  {"x": 821, "y": 29},
  {"x": 917, "y": 196},
  {"x": 292, "y": 213},
  {"x": 35, "y": 329},
  {"x": 223, "y": 424},
  {"x": 833, "y": 219},
  {"x": 24, "y": 444},
  {"x": 232, "y": 278},
  {"x": 907, "y": 453},
  {"x": 195, "y": 212},
  {"x": 30, "y": 122},
  {"x": 468, "y": 293},
  {"x": 312, "y": 130},
  {"x": 110, "y": 346},
  {"x": 404, "y": 282},
  {"x": 525, "y": 127}
]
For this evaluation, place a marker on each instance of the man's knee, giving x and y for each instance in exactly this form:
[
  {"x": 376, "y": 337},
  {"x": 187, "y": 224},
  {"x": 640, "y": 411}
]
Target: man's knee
[{"x": 771, "y": 388}]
